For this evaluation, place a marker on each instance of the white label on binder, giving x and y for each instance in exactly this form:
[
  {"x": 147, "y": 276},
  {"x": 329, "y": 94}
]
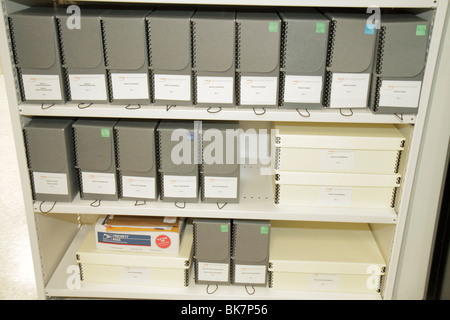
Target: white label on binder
[
  {"x": 400, "y": 93},
  {"x": 221, "y": 187},
  {"x": 349, "y": 90},
  {"x": 180, "y": 186},
  {"x": 335, "y": 196},
  {"x": 41, "y": 87},
  {"x": 324, "y": 282},
  {"x": 259, "y": 90},
  {"x": 138, "y": 187},
  {"x": 89, "y": 87},
  {"x": 212, "y": 271},
  {"x": 172, "y": 87},
  {"x": 139, "y": 275},
  {"x": 250, "y": 274},
  {"x": 50, "y": 183},
  {"x": 129, "y": 86},
  {"x": 337, "y": 160},
  {"x": 99, "y": 183},
  {"x": 215, "y": 89},
  {"x": 302, "y": 89}
]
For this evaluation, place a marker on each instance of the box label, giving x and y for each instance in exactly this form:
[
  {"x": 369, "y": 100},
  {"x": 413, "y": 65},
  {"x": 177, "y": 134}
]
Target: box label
[
  {"x": 50, "y": 183},
  {"x": 337, "y": 160},
  {"x": 130, "y": 86},
  {"x": 349, "y": 90},
  {"x": 335, "y": 196},
  {"x": 369, "y": 29},
  {"x": 215, "y": 89},
  {"x": 400, "y": 93},
  {"x": 321, "y": 27},
  {"x": 213, "y": 271},
  {"x": 250, "y": 274},
  {"x": 421, "y": 30},
  {"x": 172, "y": 87},
  {"x": 180, "y": 186},
  {"x": 41, "y": 87},
  {"x": 138, "y": 275},
  {"x": 259, "y": 90},
  {"x": 273, "y": 26},
  {"x": 302, "y": 89},
  {"x": 124, "y": 239},
  {"x": 89, "y": 87},
  {"x": 221, "y": 187},
  {"x": 324, "y": 282},
  {"x": 99, "y": 183},
  {"x": 138, "y": 187}
]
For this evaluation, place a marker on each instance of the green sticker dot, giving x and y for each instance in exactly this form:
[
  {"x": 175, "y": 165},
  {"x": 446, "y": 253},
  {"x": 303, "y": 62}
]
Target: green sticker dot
[
  {"x": 273, "y": 26},
  {"x": 421, "y": 30},
  {"x": 105, "y": 132},
  {"x": 223, "y": 228},
  {"x": 264, "y": 230},
  {"x": 321, "y": 27}
]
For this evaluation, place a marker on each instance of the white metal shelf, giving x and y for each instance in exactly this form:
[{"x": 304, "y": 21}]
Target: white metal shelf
[
  {"x": 57, "y": 287},
  {"x": 256, "y": 202},
  {"x": 195, "y": 113},
  {"x": 296, "y": 3}
]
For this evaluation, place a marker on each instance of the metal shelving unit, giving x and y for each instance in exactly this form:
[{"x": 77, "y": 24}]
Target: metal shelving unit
[{"x": 56, "y": 234}]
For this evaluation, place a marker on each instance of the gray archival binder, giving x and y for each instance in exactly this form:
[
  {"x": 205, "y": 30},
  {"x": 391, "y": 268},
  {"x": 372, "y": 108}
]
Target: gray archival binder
[
  {"x": 351, "y": 48},
  {"x": 125, "y": 42},
  {"x": 95, "y": 152},
  {"x": 303, "y": 50},
  {"x": 219, "y": 169},
  {"x": 250, "y": 247},
  {"x": 170, "y": 50},
  {"x": 212, "y": 240},
  {"x": 36, "y": 52},
  {"x": 82, "y": 50},
  {"x": 170, "y": 167},
  {"x": 136, "y": 152},
  {"x": 49, "y": 146},
  {"x": 401, "y": 56},
  {"x": 213, "y": 34},
  {"x": 258, "y": 50}
]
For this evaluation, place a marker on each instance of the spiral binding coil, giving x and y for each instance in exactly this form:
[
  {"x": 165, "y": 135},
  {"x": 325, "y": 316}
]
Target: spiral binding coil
[
  {"x": 233, "y": 252},
  {"x": 381, "y": 41},
  {"x": 151, "y": 77},
  {"x": 277, "y": 158},
  {"x": 66, "y": 81},
  {"x": 27, "y": 154},
  {"x": 394, "y": 196},
  {"x": 80, "y": 266},
  {"x": 376, "y": 101},
  {"x": 160, "y": 175},
  {"x": 331, "y": 40},
  {"x": 397, "y": 161},
  {"x": 194, "y": 87},
  {"x": 105, "y": 43},
  {"x": 60, "y": 41},
  {"x": 75, "y": 158},
  {"x": 277, "y": 193},
  {"x": 110, "y": 90},
  {"x": 327, "y": 89},
  {"x": 237, "y": 88},
  {"x": 283, "y": 50},
  {"x": 186, "y": 277},
  {"x": 21, "y": 86},
  {"x": 193, "y": 44},
  {"x": 148, "y": 31},
  {"x": 270, "y": 278},
  {"x": 117, "y": 160},
  {"x": 13, "y": 41},
  {"x": 281, "y": 88},
  {"x": 238, "y": 63}
]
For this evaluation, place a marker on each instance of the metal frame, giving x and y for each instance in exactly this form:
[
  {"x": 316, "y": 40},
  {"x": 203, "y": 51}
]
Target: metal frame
[{"x": 46, "y": 259}]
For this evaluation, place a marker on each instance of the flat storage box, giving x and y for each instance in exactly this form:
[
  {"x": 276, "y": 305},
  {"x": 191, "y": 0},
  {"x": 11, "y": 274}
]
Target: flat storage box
[
  {"x": 336, "y": 189},
  {"x": 137, "y": 268},
  {"x": 349, "y": 148},
  {"x": 326, "y": 257},
  {"x": 139, "y": 233}
]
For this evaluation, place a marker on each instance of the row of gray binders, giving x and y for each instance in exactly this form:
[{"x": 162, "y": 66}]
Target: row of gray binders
[
  {"x": 108, "y": 159},
  {"x": 288, "y": 59}
]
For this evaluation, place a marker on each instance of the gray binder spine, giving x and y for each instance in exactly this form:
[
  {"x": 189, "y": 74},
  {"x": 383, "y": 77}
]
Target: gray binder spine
[
  {"x": 399, "y": 30},
  {"x": 258, "y": 37},
  {"x": 169, "y": 47},
  {"x": 126, "y": 57},
  {"x": 83, "y": 57},
  {"x": 37, "y": 58}
]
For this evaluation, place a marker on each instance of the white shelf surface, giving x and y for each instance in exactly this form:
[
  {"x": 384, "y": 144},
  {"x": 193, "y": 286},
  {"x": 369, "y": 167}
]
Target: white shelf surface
[
  {"x": 197, "y": 113},
  {"x": 299, "y": 3},
  {"x": 256, "y": 202},
  {"x": 57, "y": 287}
]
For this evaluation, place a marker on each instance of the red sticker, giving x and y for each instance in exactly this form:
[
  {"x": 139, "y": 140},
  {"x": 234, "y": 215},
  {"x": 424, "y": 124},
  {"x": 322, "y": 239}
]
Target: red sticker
[{"x": 163, "y": 241}]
